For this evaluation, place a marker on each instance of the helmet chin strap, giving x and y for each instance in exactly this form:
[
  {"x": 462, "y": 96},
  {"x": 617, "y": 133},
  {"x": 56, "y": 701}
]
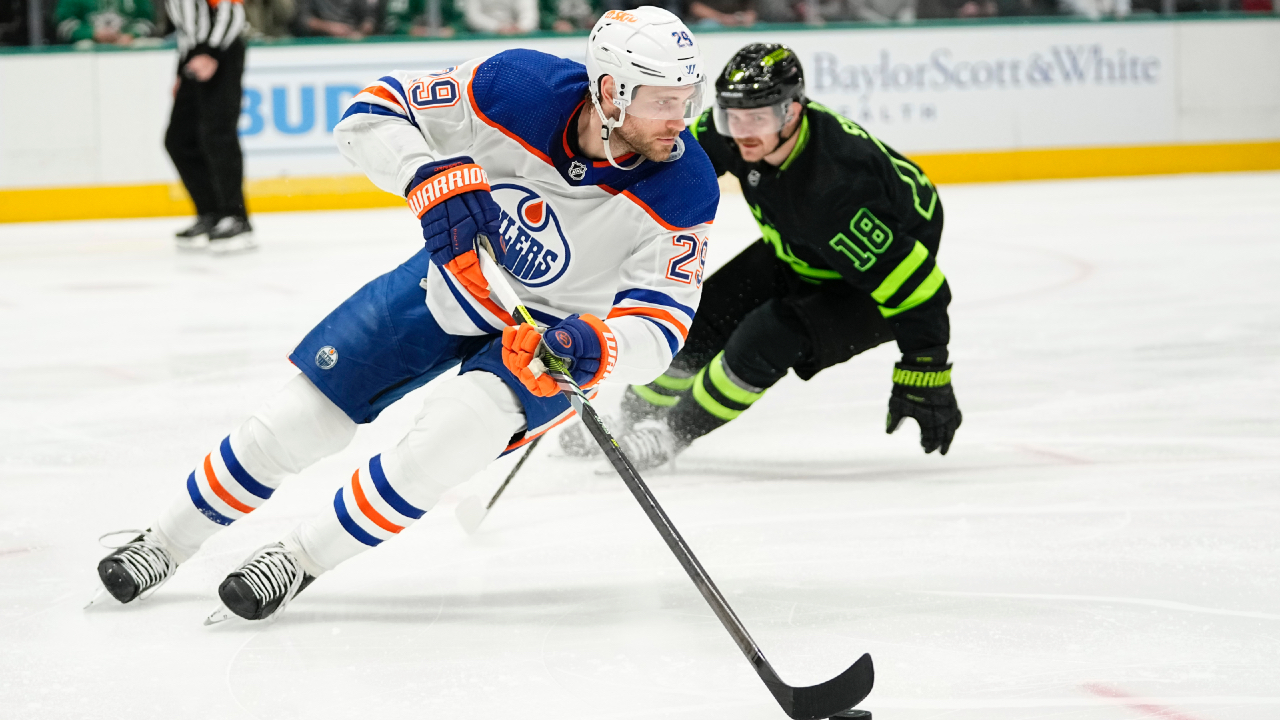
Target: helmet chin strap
[{"x": 606, "y": 131}]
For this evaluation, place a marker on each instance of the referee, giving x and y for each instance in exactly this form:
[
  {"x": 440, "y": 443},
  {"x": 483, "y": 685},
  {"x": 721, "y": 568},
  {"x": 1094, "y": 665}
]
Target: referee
[{"x": 202, "y": 138}]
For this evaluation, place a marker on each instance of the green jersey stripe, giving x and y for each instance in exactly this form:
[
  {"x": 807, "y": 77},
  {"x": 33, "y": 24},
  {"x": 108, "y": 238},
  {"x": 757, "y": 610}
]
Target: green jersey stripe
[
  {"x": 909, "y": 264},
  {"x": 926, "y": 290}
]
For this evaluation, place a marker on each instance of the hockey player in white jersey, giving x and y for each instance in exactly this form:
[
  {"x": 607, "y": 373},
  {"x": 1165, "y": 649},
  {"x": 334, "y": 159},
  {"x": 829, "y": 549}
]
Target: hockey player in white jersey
[{"x": 596, "y": 201}]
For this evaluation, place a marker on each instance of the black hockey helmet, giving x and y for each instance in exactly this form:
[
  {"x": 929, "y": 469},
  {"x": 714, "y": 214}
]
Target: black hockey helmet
[{"x": 760, "y": 74}]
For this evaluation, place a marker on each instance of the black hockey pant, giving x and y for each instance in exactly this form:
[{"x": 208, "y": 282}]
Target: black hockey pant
[
  {"x": 757, "y": 320},
  {"x": 202, "y": 138}
]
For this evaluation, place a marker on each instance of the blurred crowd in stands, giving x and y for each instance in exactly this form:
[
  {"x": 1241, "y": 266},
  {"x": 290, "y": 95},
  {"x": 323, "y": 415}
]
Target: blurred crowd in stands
[{"x": 123, "y": 22}]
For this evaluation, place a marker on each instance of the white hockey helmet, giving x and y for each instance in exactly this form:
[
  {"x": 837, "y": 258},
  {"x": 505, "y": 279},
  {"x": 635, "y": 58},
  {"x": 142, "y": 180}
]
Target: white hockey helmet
[{"x": 647, "y": 46}]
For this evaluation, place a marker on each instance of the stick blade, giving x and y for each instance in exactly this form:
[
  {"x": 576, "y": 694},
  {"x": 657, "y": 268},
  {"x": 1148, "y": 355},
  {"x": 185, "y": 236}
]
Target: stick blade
[
  {"x": 470, "y": 513},
  {"x": 822, "y": 701}
]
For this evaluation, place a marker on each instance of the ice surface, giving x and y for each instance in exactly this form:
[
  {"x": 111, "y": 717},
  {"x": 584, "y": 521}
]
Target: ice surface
[{"x": 1102, "y": 543}]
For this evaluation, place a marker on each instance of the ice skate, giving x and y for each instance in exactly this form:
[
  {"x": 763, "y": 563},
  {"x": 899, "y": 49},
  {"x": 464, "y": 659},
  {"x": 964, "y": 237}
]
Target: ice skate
[
  {"x": 196, "y": 237},
  {"x": 138, "y": 567},
  {"x": 231, "y": 235},
  {"x": 650, "y": 444},
  {"x": 262, "y": 587},
  {"x": 575, "y": 441}
]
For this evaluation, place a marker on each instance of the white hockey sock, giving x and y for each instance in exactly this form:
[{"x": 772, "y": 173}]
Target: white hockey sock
[
  {"x": 463, "y": 426},
  {"x": 295, "y": 428}
]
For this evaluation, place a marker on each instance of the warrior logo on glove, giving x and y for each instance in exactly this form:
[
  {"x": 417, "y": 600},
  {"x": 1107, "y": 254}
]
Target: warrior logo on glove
[
  {"x": 922, "y": 390},
  {"x": 451, "y": 199}
]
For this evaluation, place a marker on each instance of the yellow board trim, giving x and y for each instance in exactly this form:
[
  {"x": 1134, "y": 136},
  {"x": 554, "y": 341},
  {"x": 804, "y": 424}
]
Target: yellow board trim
[
  {"x": 337, "y": 192},
  {"x": 1067, "y": 163},
  {"x": 349, "y": 192}
]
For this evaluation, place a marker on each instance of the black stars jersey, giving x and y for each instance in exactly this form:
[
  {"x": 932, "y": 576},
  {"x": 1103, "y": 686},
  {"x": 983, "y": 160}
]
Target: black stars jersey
[{"x": 846, "y": 207}]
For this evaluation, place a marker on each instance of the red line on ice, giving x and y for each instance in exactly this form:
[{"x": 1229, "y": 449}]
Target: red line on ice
[
  {"x": 1132, "y": 701},
  {"x": 15, "y": 551}
]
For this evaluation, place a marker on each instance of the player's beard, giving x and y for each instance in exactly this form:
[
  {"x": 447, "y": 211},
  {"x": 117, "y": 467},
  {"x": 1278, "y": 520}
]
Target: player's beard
[{"x": 635, "y": 141}]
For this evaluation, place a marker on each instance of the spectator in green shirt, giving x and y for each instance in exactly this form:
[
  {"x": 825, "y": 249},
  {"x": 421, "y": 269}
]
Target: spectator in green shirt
[
  {"x": 269, "y": 18},
  {"x": 410, "y": 17},
  {"x": 567, "y": 15},
  {"x": 116, "y": 22}
]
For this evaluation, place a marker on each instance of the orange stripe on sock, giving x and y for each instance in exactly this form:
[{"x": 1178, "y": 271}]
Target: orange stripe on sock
[
  {"x": 363, "y": 503},
  {"x": 220, "y": 491}
]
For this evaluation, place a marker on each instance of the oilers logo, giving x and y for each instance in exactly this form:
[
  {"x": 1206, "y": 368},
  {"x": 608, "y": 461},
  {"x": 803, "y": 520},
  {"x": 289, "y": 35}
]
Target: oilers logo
[
  {"x": 531, "y": 243},
  {"x": 326, "y": 358}
]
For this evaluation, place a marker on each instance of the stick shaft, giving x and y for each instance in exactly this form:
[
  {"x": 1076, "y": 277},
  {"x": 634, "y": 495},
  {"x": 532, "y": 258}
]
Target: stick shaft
[
  {"x": 662, "y": 523},
  {"x": 800, "y": 703},
  {"x": 670, "y": 535},
  {"x": 528, "y": 451}
]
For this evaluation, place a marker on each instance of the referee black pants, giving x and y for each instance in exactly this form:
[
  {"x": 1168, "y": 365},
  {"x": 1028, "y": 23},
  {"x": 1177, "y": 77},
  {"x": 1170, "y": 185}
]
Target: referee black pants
[{"x": 202, "y": 140}]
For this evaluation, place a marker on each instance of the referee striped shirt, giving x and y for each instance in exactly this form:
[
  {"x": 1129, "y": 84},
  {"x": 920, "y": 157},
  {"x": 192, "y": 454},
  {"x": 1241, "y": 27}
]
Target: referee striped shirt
[{"x": 206, "y": 26}]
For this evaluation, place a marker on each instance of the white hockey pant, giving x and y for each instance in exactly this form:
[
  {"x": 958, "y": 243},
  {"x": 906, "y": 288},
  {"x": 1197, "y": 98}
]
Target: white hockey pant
[{"x": 463, "y": 425}]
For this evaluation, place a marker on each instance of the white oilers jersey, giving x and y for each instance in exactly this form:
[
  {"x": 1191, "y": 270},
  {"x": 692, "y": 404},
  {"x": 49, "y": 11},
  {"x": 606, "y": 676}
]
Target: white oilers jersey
[{"x": 576, "y": 235}]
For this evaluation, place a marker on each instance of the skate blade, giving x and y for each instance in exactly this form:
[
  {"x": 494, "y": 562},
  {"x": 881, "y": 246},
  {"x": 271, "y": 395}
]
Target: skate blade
[
  {"x": 470, "y": 513},
  {"x": 196, "y": 244},
  {"x": 98, "y": 594},
  {"x": 231, "y": 246},
  {"x": 221, "y": 615}
]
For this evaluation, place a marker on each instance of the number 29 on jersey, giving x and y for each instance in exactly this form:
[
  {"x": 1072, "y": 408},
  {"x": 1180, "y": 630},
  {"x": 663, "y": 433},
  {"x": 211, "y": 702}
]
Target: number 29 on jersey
[{"x": 689, "y": 260}]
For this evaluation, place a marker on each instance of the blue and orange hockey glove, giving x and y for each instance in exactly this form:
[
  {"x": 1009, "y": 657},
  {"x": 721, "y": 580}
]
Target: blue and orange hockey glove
[
  {"x": 922, "y": 390},
  {"x": 582, "y": 341},
  {"x": 451, "y": 199}
]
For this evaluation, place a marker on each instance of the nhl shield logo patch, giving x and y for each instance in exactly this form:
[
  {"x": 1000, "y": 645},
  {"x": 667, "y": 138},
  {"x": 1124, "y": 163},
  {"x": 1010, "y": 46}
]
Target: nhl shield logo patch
[
  {"x": 326, "y": 358},
  {"x": 577, "y": 170},
  {"x": 753, "y": 178}
]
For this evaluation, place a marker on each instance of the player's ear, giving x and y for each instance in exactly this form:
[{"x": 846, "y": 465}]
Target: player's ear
[
  {"x": 607, "y": 89},
  {"x": 794, "y": 110}
]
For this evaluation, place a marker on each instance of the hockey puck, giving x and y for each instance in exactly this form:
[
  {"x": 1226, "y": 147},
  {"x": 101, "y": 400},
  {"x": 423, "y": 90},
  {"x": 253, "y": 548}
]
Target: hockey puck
[{"x": 853, "y": 713}]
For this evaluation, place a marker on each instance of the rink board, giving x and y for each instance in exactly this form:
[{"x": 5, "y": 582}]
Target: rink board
[{"x": 973, "y": 103}]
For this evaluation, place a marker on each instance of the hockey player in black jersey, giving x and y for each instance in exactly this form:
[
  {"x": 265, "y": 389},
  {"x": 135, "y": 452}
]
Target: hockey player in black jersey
[{"x": 846, "y": 262}]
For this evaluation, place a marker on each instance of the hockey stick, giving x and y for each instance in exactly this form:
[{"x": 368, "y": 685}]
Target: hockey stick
[
  {"x": 469, "y": 512},
  {"x": 801, "y": 703}
]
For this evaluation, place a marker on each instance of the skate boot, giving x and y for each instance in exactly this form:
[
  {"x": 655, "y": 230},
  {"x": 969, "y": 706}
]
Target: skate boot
[
  {"x": 138, "y": 567},
  {"x": 263, "y": 586},
  {"x": 231, "y": 235},
  {"x": 196, "y": 237},
  {"x": 650, "y": 444},
  {"x": 575, "y": 441}
]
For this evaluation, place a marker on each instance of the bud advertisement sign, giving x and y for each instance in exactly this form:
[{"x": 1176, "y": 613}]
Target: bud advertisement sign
[{"x": 295, "y": 95}]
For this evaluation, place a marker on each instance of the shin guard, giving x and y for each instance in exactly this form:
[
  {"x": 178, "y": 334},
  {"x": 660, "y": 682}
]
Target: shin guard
[{"x": 717, "y": 397}]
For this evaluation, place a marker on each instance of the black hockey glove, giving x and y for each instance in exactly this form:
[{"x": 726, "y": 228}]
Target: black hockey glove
[{"x": 923, "y": 391}]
